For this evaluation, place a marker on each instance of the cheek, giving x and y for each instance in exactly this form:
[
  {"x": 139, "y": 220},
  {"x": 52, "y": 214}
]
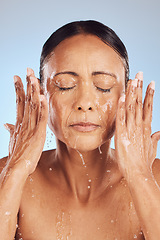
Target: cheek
[
  {"x": 108, "y": 108},
  {"x": 59, "y": 110}
]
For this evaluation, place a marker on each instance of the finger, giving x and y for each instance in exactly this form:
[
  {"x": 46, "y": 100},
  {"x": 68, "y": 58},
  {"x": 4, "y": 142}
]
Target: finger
[
  {"x": 25, "y": 121},
  {"x": 30, "y": 72},
  {"x": 10, "y": 127},
  {"x": 155, "y": 137},
  {"x": 128, "y": 85},
  {"x": 35, "y": 103},
  {"x": 20, "y": 100},
  {"x": 43, "y": 115},
  {"x": 139, "y": 106},
  {"x": 148, "y": 107},
  {"x": 131, "y": 105},
  {"x": 139, "y": 76},
  {"x": 121, "y": 116}
]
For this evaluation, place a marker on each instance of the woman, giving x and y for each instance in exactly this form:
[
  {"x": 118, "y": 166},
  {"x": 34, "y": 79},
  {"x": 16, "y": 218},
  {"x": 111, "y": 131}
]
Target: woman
[{"x": 83, "y": 189}]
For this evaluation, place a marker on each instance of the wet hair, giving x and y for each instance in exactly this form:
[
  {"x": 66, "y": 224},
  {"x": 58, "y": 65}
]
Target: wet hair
[{"x": 106, "y": 34}]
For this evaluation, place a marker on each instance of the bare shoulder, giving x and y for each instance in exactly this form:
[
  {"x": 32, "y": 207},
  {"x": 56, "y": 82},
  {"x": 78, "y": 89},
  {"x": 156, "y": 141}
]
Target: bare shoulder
[{"x": 156, "y": 170}]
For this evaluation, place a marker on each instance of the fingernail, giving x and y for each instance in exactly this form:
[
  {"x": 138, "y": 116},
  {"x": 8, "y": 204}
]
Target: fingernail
[
  {"x": 29, "y": 71},
  {"x": 134, "y": 82},
  {"x": 140, "y": 75},
  {"x": 15, "y": 79},
  {"x": 152, "y": 85}
]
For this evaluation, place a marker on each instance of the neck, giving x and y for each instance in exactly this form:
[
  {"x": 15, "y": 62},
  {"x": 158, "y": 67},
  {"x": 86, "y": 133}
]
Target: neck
[{"x": 87, "y": 174}]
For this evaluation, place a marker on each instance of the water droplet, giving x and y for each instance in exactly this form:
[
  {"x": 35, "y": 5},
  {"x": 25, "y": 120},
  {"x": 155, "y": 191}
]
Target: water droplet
[
  {"x": 89, "y": 180},
  {"x": 28, "y": 163},
  {"x": 50, "y": 169},
  {"x": 112, "y": 221},
  {"x": 108, "y": 171},
  {"x": 30, "y": 179},
  {"x": 131, "y": 205},
  {"x": 81, "y": 156},
  {"x": 146, "y": 179},
  {"x": 89, "y": 187},
  {"x": 135, "y": 236},
  {"x": 99, "y": 148},
  {"x": 7, "y": 213}
]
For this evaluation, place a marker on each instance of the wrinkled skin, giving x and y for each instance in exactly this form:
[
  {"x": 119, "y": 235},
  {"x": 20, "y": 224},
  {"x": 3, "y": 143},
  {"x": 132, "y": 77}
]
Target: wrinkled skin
[
  {"x": 27, "y": 137},
  {"x": 90, "y": 91},
  {"x": 135, "y": 146},
  {"x": 86, "y": 100}
]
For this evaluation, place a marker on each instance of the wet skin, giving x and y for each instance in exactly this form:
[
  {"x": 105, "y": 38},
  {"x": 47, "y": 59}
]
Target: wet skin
[
  {"x": 95, "y": 81},
  {"x": 79, "y": 190}
]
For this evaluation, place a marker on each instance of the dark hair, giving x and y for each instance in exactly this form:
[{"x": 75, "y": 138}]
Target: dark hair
[{"x": 106, "y": 34}]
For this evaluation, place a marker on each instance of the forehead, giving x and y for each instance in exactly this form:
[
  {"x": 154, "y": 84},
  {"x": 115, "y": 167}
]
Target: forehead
[{"x": 85, "y": 52}]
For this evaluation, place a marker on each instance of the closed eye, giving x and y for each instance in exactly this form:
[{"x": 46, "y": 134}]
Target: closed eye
[
  {"x": 104, "y": 90},
  {"x": 65, "y": 89}
]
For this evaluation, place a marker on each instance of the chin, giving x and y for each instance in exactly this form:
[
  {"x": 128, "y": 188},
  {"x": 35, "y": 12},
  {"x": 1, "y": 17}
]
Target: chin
[{"x": 85, "y": 143}]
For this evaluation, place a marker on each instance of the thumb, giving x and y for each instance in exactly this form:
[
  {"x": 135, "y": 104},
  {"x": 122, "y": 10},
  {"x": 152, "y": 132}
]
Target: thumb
[
  {"x": 9, "y": 127},
  {"x": 155, "y": 137}
]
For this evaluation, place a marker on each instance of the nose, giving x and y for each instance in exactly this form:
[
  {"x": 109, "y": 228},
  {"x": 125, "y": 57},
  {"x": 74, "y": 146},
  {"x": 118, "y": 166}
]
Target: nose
[{"x": 85, "y": 101}]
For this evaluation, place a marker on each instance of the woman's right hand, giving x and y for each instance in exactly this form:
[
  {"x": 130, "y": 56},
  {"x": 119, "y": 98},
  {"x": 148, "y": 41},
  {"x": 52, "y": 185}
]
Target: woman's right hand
[{"x": 27, "y": 136}]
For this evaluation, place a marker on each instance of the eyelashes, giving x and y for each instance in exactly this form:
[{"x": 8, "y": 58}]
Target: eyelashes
[
  {"x": 106, "y": 90},
  {"x": 65, "y": 89}
]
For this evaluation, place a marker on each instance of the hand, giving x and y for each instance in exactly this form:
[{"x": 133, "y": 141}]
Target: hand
[
  {"x": 135, "y": 146},
  {"x": 27, "y": 136}
]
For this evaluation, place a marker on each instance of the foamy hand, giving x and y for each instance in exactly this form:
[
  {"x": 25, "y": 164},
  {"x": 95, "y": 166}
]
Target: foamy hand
[
  {"x": 135, "y": 146},
  {"x": 28, "y": 135}
]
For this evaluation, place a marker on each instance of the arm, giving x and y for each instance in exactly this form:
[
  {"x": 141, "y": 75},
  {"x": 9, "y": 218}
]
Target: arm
[
  {"x": 27, "y": 139},
  {"x": 136, "y": 151}
]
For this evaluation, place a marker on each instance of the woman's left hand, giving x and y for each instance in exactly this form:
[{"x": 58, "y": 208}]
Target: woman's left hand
[{"x": 134, "y": 145}]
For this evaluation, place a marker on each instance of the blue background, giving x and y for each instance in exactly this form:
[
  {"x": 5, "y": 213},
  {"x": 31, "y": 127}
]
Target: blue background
[{"x": 25, "y": 26}]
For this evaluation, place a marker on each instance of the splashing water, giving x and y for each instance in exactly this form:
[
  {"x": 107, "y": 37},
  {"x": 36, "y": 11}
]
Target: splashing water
[
  {"x": 81, "y": 156},
  {"x": 75, "y": 145},
  {"x": 84, "y": 164},
  {"x": 99, "y": 148}
]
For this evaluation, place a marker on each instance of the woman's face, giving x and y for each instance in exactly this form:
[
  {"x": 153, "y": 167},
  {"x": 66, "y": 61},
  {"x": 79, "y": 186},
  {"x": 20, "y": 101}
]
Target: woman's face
[{"x": 83, "y": 80}]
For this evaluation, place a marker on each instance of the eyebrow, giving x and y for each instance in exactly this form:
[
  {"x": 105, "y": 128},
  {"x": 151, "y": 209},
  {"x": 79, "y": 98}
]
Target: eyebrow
[
  {"x": 93, "y": 73},
  {"x": 67, "y": 72},
  {"x": 104, "y": 73}
]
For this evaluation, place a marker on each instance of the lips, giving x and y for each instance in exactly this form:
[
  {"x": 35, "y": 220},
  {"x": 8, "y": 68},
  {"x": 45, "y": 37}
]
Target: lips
[{"x": 84, "y": 126}]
